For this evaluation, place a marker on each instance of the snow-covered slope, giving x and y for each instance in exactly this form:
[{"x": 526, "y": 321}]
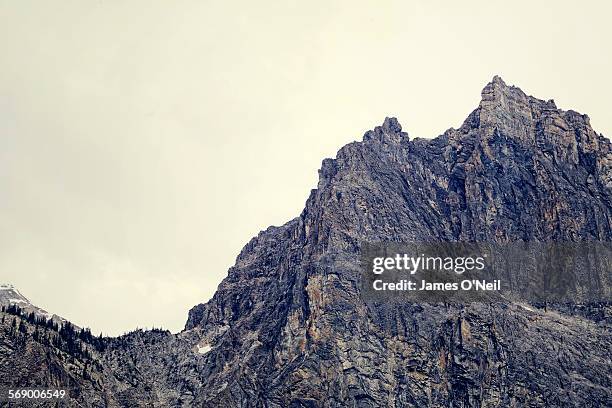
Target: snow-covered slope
[{"x": 10, "y": 295}]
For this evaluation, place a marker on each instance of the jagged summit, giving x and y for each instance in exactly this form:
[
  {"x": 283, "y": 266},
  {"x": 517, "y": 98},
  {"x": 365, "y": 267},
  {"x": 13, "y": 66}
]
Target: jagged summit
[
  {"x": 506, "y": 111},
  {"x": 499, "y": 101},
  {"x": 506, "y": 118},
  {"x": 498, "y": 97},
  {"x": 499, "y": 87},
  {"x": 389, "y": 132}
]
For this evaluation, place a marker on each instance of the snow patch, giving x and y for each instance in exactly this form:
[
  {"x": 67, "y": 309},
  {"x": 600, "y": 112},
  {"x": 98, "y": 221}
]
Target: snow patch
[
  {"x": 526, "y": 307},
  {"x": 204, "y": 348}
]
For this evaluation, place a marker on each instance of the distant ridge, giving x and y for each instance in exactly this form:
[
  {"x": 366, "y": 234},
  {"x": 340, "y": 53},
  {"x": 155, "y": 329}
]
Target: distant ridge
[{"x": 10, "y": 295}]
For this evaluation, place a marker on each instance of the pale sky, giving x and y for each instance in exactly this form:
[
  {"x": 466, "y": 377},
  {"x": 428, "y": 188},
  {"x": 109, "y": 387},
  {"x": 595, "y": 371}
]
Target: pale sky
[{"x": 143, "y": 143}]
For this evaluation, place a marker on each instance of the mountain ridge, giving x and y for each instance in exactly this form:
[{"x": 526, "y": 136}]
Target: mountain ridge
[
  {"x": 556, "y": 148},
  {"x": 10, "y": 295}
]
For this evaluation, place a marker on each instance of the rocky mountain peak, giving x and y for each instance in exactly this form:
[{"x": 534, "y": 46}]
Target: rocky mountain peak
[
  {"x": 509, "y": 110},
  {"x": 389, "y": 132},
  {"x": 391, "y": 125},
  {"x": 508, "y": 115}
]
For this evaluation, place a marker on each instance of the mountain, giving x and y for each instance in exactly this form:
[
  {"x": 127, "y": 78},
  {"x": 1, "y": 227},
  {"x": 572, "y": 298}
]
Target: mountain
[
  {"x": 289, "y": 327},
  {"x": 9, "y": 295}
]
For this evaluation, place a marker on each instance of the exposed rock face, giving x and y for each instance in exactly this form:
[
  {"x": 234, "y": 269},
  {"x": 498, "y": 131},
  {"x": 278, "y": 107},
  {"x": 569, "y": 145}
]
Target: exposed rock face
[
  {"x": 517, "y": 169},
  {"x": 288, "y": 328}
]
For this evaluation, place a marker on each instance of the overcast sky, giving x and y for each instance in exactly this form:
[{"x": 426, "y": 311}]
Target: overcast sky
[{"x": 143, "y": 143}]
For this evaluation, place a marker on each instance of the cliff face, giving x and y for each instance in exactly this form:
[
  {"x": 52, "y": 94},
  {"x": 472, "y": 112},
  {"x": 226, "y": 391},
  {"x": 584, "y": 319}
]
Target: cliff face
[{"x": 288, "y": 327}]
